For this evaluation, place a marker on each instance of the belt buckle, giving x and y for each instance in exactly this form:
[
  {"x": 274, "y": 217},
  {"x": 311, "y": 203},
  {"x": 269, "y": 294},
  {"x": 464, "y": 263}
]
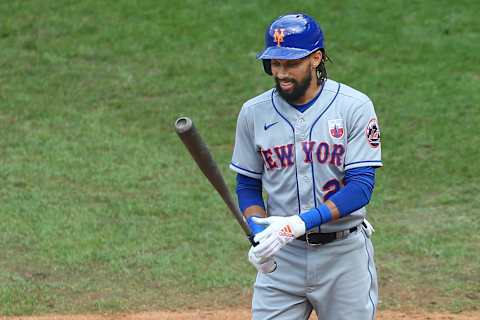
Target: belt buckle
[{"x": 307, "y": 238}]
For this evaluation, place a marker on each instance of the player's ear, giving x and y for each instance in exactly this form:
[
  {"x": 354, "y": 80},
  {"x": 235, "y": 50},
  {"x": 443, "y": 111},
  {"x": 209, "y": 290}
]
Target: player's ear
[{"x": 316, "y": 58}]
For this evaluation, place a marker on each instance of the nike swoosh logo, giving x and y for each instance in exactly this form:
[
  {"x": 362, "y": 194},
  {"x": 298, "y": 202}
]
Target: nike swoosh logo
[{"x": 265, "y": 127}]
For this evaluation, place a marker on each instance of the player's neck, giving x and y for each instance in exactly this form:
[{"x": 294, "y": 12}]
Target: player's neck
[{"x": 311, "y": 93}]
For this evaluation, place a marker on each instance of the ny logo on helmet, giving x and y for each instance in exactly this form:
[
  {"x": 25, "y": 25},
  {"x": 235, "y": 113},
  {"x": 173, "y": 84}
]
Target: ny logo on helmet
[{"x": 278, "y": 36}]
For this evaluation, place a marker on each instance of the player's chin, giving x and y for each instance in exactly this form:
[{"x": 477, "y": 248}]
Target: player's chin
[{"x": 286, "y": 93}]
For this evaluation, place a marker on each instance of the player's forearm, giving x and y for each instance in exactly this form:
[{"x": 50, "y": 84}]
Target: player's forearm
[
  {"x": 326, "y": 212},
  {"x": 255, "y": 211},
  {"x": 250, "y": 201},
  {"x": 355, "y": 195}
]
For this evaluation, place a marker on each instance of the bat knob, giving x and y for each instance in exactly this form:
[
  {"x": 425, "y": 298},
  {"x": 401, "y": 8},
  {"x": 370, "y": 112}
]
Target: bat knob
[{"x": 183, "y": 124}]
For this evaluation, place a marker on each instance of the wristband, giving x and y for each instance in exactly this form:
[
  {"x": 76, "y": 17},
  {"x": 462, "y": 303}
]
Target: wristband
[
  {"x": 316, "y": 217},
  {"x": 255, "y": 228}
]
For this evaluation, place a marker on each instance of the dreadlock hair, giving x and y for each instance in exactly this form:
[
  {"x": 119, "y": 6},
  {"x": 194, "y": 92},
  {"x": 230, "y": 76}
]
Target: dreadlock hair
[{"x": 321, "y": 70}]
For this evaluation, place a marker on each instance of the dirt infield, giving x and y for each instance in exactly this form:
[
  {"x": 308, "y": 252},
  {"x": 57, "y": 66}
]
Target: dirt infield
[{"x": 239, "y": 314}]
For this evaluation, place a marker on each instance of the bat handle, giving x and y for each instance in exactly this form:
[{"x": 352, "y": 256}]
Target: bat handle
[{"x": 252, "y": 241}]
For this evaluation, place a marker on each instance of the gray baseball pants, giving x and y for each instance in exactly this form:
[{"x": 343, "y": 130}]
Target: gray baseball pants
[{"x": 337, "y": 279}]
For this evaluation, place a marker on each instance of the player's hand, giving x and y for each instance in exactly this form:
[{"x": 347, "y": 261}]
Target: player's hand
[
  {"x": 262, "y": 265},
  {"x": 280, "y": 231}
]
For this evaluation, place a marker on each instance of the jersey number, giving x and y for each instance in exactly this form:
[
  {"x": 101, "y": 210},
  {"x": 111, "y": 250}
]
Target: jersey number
[{"x": 330, "y": 188}]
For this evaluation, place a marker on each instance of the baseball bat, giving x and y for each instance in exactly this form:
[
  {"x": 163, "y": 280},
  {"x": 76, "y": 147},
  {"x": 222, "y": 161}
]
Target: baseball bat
[{"x": 201, "y": 154}]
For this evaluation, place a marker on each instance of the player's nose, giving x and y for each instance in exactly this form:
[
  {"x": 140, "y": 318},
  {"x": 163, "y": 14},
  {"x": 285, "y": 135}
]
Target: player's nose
[{"x": 280, "y": 72}]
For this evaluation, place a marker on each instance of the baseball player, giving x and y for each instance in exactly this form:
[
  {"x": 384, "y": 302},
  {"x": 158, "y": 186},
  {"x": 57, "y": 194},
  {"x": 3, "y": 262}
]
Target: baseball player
[{"x": 312, "y": 144}]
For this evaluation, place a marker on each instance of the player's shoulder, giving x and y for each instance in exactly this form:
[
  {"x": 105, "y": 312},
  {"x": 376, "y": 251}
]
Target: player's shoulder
[
  {"x": 256, "y": 106},
  {"x": 348, "y": 94},
  {"x": 265, "y": 98}
]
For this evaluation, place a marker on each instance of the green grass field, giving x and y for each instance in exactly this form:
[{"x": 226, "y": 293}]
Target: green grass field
[{"x": 102, "y": 209}]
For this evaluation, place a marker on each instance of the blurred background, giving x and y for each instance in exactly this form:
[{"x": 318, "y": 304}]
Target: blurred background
[{"x": 103, "y": 210}]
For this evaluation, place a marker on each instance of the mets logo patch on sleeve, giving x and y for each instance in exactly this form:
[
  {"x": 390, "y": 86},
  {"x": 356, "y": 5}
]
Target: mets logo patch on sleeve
[
  {"x": 373, "y": 133},
  {"x": 335, "y": 127}
]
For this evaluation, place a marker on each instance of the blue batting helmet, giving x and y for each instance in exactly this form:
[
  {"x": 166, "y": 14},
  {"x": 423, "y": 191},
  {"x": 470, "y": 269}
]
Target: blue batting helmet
[{"x": 293, "y": 36}]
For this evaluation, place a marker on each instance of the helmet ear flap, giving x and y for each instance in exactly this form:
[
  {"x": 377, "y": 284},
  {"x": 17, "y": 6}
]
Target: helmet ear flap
[{"x": 267, "y": 66}]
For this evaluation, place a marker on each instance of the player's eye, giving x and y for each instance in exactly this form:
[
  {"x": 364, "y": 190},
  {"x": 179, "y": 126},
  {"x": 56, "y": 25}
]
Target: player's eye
[
  {"x": 275, "y": 63},
  {"x": 294, "y": 63}
]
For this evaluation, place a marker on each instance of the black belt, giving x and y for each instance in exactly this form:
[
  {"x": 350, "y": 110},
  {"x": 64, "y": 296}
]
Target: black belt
[{"x": 324, "y": 238}]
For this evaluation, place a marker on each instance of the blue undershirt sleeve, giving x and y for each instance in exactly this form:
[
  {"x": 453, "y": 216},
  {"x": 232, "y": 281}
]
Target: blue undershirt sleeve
[
  {"x": 249, "y": 193},
  {"x": 359, "y": 184}
]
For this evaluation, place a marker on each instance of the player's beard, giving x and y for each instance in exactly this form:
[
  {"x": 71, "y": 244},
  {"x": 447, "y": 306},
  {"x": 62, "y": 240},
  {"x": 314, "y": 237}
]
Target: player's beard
[{"x": 299, "y": 88}]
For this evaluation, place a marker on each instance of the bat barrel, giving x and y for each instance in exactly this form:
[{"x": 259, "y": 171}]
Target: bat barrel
[{"x": 199, "y": 151}]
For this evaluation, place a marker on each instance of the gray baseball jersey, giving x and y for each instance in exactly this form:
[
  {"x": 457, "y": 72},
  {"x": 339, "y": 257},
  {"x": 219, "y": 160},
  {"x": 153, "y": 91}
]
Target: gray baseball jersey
[{"x": 302, "y": 157}]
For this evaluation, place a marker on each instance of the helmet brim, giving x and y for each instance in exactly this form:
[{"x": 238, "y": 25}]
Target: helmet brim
[{"x": 284, "y": 53}]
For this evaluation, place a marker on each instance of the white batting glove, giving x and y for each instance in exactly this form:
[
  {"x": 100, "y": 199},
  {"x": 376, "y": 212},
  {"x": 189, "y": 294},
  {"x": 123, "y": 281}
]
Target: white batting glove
[
  {"x": 262, "y": 265},
  {"x": 280, "y": 231}
]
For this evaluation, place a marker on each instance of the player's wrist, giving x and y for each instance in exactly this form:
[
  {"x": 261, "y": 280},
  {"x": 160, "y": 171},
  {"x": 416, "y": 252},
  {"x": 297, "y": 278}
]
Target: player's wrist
[
  {"x": 298, "y": 225},
  {"x": 254, "y": 227},
  {"x": 316, "y": 216}
]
